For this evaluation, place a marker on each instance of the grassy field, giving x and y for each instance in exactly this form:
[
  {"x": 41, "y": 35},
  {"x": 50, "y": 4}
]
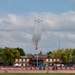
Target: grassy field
[{"x": 37, "y": 74}]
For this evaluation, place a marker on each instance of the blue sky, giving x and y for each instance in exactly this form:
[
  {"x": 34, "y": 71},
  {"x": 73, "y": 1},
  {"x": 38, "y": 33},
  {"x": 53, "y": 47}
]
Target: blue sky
[
  {"x": 17, "y": 23},
  {"x": 27, "y": 6}
]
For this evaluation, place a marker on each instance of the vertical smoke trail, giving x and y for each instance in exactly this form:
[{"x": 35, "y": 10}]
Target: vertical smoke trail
[{"x": 37, "y": 31}]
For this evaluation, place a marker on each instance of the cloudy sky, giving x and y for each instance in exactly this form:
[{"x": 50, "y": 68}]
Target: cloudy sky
[{"x": 17, "y": 23}]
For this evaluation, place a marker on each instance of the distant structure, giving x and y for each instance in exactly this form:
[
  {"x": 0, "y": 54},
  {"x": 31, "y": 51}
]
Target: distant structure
[{"x": 31, "y": 60}]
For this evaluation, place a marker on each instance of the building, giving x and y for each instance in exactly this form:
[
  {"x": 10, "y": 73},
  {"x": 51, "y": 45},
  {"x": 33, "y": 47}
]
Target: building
[{"x": 36, "y": 60}]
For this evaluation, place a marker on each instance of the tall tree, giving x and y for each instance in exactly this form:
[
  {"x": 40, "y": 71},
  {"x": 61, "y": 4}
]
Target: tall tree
[
  {"x": 1, "y": 49},
  {"x": 22, "y": 53},
  {"x": 49, "y": 54},
  {"x": 73, "y": 55},
  {"x": 9, "y": 54},
  {"x": 57, "y": 54},
  {"x": 68, "y": 55}
]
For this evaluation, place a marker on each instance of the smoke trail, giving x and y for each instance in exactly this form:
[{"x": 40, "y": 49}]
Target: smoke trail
[{"x": 37, "y": 31}]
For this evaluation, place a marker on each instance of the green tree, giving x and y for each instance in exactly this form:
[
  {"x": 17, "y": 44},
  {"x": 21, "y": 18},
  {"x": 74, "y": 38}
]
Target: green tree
[
  {"x": 73, "y": 55},
  {"x": 49, "y": 54},
  {"x": 60, "y": 53},
  {"x": 57, "y": 54},
  {"x": 8, "y": 55},
  {"x": 68, "y": 55},
  {"x": 22, "y": 53},
  {"x": 1, "y": 49}
]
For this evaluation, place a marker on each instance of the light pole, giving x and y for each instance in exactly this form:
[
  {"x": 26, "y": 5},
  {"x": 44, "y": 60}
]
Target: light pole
[{"x": 37, "y": 59}]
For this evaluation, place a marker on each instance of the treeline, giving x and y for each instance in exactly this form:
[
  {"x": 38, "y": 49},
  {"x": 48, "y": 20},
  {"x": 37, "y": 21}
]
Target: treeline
[
  {"x": 65, "y": 55},
  {"x": 7, "y": 55}
]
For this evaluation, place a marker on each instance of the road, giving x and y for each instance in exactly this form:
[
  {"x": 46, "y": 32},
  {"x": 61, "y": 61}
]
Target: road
[{"x": 38, "y": 71}]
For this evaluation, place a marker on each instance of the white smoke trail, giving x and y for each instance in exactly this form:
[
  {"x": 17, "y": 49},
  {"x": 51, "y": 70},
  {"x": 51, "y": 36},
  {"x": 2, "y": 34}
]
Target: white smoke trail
[{"x": 37, "y": 31}]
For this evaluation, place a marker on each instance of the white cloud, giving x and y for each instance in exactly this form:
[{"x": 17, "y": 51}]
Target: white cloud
[{"x": 17, "y": 31}]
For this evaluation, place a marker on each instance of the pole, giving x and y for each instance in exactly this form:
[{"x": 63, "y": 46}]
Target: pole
[
  {"x": 37, "y": 59},
  {"x": 59, "y": 44}
]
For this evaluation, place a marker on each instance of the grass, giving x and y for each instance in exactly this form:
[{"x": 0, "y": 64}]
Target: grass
[{"x": 37, "y": 74}]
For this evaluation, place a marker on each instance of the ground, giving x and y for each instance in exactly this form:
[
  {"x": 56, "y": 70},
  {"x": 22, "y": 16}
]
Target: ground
[{"x": 37, "y": 74}]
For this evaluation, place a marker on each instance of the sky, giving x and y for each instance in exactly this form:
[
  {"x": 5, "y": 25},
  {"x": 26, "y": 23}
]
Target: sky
[{"x": 17, "y": 24}]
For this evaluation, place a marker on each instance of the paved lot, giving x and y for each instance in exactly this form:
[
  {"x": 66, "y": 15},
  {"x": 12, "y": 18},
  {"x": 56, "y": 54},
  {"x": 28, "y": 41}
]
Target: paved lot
[{"x": 39, "y": 71}]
